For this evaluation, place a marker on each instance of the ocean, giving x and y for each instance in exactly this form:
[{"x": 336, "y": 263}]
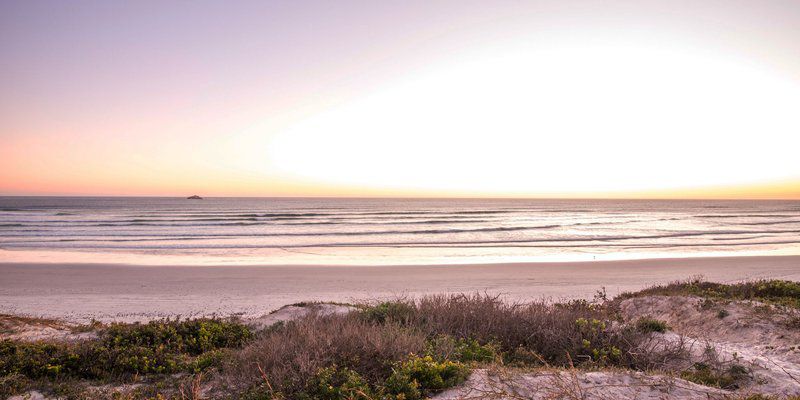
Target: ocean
[{"x": 152, "y": 230}]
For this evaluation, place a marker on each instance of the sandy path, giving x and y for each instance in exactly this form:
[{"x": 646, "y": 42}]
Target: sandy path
[{"x": 128, "y": 292}]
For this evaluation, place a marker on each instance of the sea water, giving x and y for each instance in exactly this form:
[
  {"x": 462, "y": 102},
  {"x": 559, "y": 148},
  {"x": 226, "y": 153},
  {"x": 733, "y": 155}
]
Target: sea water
[{"x": 152, "y": 230}]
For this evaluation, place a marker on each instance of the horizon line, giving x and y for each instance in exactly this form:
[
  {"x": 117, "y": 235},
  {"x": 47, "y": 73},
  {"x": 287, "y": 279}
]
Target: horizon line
[{"x": 412, "y": 197}]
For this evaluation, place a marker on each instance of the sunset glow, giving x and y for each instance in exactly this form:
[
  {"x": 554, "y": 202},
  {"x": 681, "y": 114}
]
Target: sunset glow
[
  {"x": 541, "y": 100},
  {"x": 553, "y": 120}
]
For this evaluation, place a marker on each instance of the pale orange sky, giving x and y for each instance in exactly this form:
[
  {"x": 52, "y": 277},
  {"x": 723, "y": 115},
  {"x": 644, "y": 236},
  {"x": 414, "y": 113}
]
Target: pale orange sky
[{"x": 466, "y": 99}]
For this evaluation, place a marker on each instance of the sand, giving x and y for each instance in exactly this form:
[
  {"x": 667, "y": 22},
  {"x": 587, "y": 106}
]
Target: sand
[
  {"x": 546, "y": 384},
  {"x": 80, "y": 292}
]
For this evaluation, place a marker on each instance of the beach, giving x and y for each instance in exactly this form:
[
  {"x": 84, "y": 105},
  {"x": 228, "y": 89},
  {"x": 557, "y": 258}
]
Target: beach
[{"x": 111, "y": 292}]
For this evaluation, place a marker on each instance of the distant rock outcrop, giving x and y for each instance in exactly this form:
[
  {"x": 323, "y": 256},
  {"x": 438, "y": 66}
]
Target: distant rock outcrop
[{"x": 195, "y": 197}]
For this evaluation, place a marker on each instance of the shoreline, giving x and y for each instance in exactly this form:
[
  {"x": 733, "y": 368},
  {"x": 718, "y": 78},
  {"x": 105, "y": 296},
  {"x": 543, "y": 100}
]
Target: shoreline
[
  {"x": 125, "y": 292},
  {"x": 61, "y": 257}
]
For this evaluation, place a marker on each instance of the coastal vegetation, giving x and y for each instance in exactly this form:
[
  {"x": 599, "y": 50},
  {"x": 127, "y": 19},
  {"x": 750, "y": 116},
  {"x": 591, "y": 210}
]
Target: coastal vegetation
[
  {"x": 405, "y": 349},
  {"x": 778, "y": 292},
  {"x": 121, "y": 353}
]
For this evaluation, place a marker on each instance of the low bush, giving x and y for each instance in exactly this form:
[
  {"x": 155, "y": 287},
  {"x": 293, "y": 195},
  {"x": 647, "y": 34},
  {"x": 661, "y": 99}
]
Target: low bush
[
  {"x": 651, "y": 325},
  {"x": 281, "y": 361},
  {"x": 467, "y": 350},
  {"x": 334, "y": 383},
  {"x": 192, "y": 337},
  {"x": 445, "y": 347},
  {"x": 166, "y": 346},
  {"x": 374, "y": 346},
  {"x": 418, "y": 377},
  {"x": 559, "y": 335},
  {"x": 779, "y": 292},
  {"x": 11, "y": 384},
  {"x": 397, "y": 311},
  {"x": 522, "y": 357},
  {"x": 729, "y": 377}
]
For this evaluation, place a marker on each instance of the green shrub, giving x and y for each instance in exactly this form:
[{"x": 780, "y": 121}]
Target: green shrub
[
  {"x": 594, "y": 342},
  {"x": 722, "y": 313},
  {"x": 36, "y": 360},
  {"x": 157, "y": 347},
  {"x": 191, "y": 336},
  {"x": 777, "y": 288},
  {"x": 445, "y": 347},
  {"x": 523, "y": 357},
  {"x": 467, "y": 350},
  {"x": 556, "y": 333},
  {"x": 208, "y": 360},
  {"x": 421, "y": 376},
  {"x": 334, "y": 383},
  {"x": 726, "y": 378},
  {"x": 780, "y": 292},
  {"x": 389, "y": 311},
  {"x": 84, "y": 360},
  {"x": 647, "y": 325}
]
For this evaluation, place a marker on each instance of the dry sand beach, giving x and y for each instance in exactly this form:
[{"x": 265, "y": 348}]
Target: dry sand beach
[{"x": 83, "y": 292}]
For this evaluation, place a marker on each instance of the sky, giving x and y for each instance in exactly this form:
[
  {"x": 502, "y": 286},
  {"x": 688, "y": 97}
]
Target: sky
[{"x": 665, "y": 99}]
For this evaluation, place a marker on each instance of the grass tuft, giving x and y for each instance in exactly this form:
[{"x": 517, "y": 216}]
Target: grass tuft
[{"x": 647, "y": 325}]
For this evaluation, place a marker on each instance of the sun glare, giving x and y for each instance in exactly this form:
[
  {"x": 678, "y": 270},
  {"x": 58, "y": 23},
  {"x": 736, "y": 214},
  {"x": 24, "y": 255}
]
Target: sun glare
[{"x": 547, "y": 119}]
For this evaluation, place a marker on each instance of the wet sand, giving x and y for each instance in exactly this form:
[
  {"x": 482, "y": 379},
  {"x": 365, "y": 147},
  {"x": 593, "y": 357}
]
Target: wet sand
[{"x": 80, "y": 292}]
